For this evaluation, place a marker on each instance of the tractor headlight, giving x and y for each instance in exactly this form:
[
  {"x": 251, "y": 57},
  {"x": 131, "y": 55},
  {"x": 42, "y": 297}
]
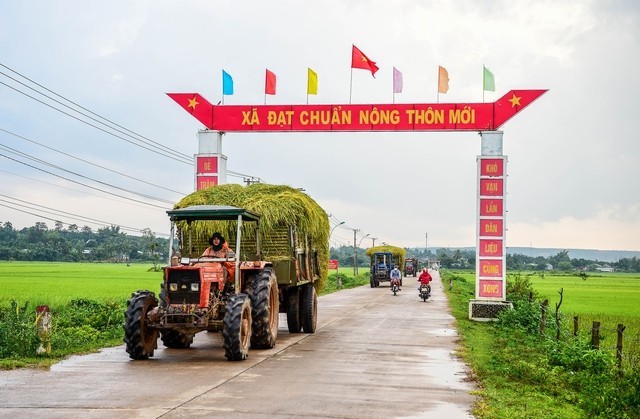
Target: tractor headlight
[
  {"x": 195, "y": 287},
  {"x": 173, "y": 286}
]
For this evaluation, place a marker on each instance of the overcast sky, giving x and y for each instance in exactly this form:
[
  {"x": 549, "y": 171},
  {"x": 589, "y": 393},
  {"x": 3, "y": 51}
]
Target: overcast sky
[{"x": 573, "y": 155}]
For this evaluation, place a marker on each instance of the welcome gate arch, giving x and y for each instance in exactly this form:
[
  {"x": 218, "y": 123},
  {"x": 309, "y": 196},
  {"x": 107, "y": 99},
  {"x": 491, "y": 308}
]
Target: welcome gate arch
[{"x": 484, "y": 118}]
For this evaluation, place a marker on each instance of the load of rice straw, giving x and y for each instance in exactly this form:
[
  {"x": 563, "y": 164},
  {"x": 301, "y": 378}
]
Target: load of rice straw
[
  {"x": 279, "y": 206},
  {"x": 397, "y": 252}
]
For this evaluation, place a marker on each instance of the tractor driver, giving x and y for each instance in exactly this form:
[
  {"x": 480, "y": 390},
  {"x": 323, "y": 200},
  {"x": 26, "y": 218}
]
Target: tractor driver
[{"x": 220, "y": 249}]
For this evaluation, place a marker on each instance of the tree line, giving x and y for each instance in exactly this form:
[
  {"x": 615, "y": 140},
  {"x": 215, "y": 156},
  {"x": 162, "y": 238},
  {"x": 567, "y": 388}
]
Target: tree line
[
  {"x": 79, "y": 244},
  {"x": 466, "y": 259}
]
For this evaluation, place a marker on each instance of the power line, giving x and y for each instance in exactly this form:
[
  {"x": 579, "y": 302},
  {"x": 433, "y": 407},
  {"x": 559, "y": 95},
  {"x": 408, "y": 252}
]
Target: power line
[
  {"x": 103, "y": 223},
  {"x": 88, "y": 186},
  {"x": 39, "y": 181},
  {"x": 119, "y": 128},
  {"x": 163, "y": 154},
  {"x": 25, "y": 155},
  {"x": 91, "y": 163}
]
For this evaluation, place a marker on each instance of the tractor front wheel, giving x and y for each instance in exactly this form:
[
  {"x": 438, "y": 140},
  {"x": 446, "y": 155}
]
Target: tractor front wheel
[
  {"x": 236, "y": 329},
  {"x": 140, "y": 339}
]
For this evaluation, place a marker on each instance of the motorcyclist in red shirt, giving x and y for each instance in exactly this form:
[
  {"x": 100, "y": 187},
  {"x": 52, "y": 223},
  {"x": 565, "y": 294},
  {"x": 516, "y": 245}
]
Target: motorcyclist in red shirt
[{"x": 425, "y": 278}]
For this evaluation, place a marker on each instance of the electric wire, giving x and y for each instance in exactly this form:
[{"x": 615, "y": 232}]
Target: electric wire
[
  {"x": 119, "y": 128},
  {"x": 91, "y": 163},
  {"x": 85, "y": 185},
  {"x": 163, "y": 154},
  {"x": 40, "y": 181}
]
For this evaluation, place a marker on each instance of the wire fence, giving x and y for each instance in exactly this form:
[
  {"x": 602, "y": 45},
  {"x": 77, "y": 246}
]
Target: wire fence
[{"x": 595, "y": 335}]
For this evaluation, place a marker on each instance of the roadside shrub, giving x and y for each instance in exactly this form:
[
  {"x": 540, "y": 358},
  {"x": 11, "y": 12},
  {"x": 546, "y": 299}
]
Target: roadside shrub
[
  {"x": 578, "y": 356},
  {"x": 525, "y": 315},
  {"x": 18, "y": 334}
]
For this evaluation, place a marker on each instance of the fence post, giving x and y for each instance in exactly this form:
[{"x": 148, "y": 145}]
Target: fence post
[
  {"x": 621, "y": 328},
  {"x": 575, "y": 325},
  {"x": 43, "y": 323},
  {"x": 558, "y": 314},
  {"x": 543, "y": 317},
  {"x": 595, "y": 335}
]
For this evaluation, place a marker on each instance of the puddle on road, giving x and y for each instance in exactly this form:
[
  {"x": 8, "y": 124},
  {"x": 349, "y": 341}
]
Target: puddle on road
[
  {"x": 445, "y": 369},
  {"x": 442, "y": 332},
  {"x": 443, "y": 410}
]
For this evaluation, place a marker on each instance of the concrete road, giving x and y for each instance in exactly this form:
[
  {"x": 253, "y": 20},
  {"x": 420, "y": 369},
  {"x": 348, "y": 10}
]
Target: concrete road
[{"x": 374, "y": 355}]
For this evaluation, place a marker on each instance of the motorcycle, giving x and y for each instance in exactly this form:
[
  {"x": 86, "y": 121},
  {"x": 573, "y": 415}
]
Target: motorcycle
[
  {"x": 425, "y": 292},
  {"x": 395, "y": 286}
]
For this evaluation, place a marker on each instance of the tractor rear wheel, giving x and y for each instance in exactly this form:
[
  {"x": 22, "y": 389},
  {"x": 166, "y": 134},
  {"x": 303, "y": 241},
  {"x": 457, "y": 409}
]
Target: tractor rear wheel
[
  {"x": 293, "y": 311},
  {"x": 236, "y": 329},
  {"x": 175, "y": 339},
  {"x": 140, "y": 339},
  {"x": 265, "y": 309},
  {"x": 309, "y": 308}
]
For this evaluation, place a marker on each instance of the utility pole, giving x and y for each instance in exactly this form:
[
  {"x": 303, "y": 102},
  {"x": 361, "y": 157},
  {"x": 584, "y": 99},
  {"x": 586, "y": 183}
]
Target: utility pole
[
  {"x": 355, "y": 252},
  {"x": 373, "y": 241},
  {"x": 426, "y": 248}
]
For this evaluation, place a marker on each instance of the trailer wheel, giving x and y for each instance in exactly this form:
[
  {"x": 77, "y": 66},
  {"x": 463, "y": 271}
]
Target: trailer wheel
[
  {"x": 236, "y": 329},
  {"x": 309, "y": 308},
  {"x": 372, "y": 283},
  {"x": 293, "y": 310},
  {"x": 265, "y": 309},
  {"x": 140, "y": 340},
  {"x": 175, "y": 339}
]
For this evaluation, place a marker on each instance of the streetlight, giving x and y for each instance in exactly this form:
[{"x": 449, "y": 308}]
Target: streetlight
[
  {"x": 355, "y": 253},
  {"x": 363, "y": 239},
  {"x": 339, "y": 224}
]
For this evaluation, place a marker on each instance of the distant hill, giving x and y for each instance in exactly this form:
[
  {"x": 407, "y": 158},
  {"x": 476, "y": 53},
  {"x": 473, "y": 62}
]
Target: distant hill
[{"x": 589, "y": 254}]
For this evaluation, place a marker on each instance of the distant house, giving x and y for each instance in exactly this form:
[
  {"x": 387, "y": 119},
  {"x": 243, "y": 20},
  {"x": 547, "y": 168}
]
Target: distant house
[{"x": 604, "y": 268}]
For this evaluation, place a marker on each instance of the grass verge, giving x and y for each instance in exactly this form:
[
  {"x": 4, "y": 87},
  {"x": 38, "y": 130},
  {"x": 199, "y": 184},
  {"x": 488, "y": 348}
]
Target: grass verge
[{"x": 523, "y": 374}]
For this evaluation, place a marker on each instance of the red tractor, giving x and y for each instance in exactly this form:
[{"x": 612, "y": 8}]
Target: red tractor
[{"x": 197, "y": 293}]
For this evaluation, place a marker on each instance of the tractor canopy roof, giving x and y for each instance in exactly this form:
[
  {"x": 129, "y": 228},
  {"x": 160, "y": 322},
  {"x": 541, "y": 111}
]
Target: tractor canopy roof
[{"x": 211, "y": 212}]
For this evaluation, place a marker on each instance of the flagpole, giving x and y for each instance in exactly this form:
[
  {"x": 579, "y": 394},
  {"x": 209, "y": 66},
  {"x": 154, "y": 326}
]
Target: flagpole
[
  {"x": 350, "y": 85},
  {"x": 482, "y": 83}
]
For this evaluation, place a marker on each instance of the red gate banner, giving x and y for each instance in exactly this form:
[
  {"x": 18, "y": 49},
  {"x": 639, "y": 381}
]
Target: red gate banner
[{"x": 381, "y": 117}]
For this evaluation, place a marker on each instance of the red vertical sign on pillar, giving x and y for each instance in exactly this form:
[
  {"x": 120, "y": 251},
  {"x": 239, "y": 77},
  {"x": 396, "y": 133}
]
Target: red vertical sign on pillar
[
  {"x": 206, "y": 171},
  {"x": 490, "y": 245}
]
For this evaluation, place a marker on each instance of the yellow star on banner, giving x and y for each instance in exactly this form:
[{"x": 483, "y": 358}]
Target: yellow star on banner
[
  {"x": 192, "y": 103},
  {"x": 515, "y": 101}
]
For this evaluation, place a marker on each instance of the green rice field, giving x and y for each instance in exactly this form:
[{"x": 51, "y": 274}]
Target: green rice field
[
  {"x": 53, "y": 284},
  {"x": 608, "y": 298}
]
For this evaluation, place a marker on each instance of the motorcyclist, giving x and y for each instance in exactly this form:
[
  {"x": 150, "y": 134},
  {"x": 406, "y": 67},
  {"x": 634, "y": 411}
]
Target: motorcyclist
[
  {"x": 425, "y": 278},
  {"x": 396, "y": 276}
]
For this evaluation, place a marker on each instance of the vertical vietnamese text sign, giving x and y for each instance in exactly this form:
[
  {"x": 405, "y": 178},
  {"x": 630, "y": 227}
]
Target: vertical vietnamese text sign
[
  {"x": 206, "y": 172},
  {"x": 490, "y": 245}
]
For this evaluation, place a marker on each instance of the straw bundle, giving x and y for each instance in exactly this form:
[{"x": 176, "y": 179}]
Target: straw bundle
[
  {"x": 397, "y": 252},
  {"x": 279, "y": 206}
]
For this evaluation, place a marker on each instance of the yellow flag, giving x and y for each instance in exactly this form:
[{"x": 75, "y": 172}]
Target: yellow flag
[
  {"x": 443, "y": 80},
  {"x": 312, "y": 82}
]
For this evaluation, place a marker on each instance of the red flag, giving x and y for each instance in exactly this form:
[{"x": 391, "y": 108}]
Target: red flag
[
  {"x": 196, "y": 105},
  {"x": 270, "y": 83},
  {"x": 359, "y": 60}
]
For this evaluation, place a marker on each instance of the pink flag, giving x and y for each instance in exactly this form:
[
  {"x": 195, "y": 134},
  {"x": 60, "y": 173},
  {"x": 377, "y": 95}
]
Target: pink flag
[{"x": 397, "y": 81}]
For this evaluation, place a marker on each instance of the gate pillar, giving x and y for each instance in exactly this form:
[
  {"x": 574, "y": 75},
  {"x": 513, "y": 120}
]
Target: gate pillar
[
  {"x": 491, "y": 284},
  {"x": 211, "y": 164}
]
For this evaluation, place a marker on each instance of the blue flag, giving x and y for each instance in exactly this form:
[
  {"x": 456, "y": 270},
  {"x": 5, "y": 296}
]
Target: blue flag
[{"x": 227, "y": 83}]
